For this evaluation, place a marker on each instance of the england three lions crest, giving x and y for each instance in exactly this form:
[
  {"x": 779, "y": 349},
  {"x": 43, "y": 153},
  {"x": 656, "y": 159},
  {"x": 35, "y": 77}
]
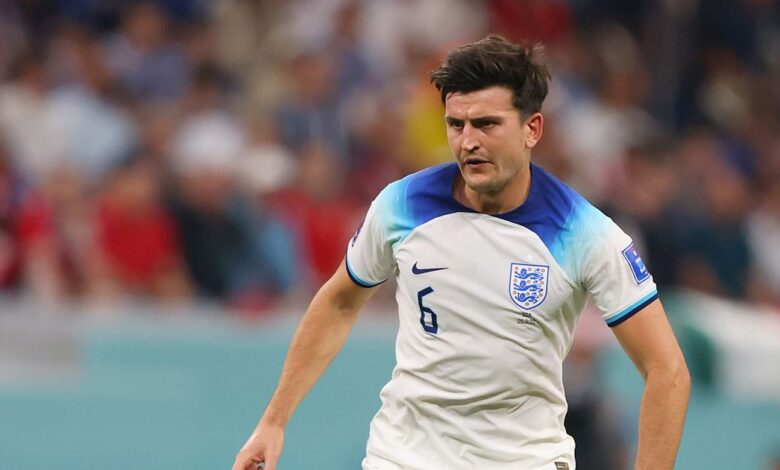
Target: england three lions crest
[{"x": 528, "y": 284}]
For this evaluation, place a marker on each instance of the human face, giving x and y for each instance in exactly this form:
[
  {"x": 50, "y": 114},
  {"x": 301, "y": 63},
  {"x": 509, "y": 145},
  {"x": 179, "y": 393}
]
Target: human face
[{"x": 490, "y": 140}]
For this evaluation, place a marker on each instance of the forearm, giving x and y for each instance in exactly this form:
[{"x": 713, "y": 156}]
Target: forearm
[
  {"x": 319, "y": 337},
  {"x": 661, "y": 417}
]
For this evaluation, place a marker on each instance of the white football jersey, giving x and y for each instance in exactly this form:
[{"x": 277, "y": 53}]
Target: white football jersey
[{"x": 487, "y": 305}]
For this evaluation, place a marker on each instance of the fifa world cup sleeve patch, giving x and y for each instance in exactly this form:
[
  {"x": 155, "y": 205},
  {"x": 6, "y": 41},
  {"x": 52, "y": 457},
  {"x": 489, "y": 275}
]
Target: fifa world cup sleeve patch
[{"x": 638, "y": 268}]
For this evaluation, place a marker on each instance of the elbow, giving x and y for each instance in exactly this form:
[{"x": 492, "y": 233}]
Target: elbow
[
  {"x": 687, "y": 375},
  {"x": 679, "y": 377},
  {"x": 682, "y": 377},
  {"x": 674, "y": 375}
]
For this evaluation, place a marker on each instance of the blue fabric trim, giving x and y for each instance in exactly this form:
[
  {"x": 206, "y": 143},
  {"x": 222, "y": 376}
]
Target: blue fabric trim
[
  {"x": 356, "y": 279},
  {"x": 631, "y": 310},
  {"x": 548, "y": 208},
  {"x": 563, "y": 220},
  {"x": 426, "y": 195}
]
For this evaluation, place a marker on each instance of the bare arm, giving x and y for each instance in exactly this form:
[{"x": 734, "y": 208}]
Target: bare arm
[
  {"x": 649, "y": 341},
  {"x": 319, "y": 337}
]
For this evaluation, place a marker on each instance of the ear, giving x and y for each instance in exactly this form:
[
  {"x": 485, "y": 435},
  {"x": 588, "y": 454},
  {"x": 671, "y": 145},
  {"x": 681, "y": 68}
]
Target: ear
[{"x": 534, "y": 126}]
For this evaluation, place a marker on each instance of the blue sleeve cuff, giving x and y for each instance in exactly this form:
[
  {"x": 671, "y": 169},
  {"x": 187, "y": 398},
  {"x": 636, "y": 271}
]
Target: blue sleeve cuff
[
  {"x": 356, "y": 279},
  {"x": 632, "y": 309}
]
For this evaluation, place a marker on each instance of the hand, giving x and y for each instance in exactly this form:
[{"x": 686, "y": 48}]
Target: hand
[{"x": 263, "y": 446}]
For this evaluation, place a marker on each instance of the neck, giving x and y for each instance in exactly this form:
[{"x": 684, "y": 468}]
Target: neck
[{"x": 510, "y": 197}]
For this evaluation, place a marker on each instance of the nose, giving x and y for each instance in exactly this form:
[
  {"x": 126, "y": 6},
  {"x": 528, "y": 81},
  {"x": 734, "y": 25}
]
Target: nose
[{"x": 470, "y": 142}]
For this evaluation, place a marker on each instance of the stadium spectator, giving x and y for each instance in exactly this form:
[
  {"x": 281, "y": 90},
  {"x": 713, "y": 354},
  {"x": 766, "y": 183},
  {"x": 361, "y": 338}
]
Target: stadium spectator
[
  {"x": 600, "y": 129},
  {"x": 137, "y": 237},
  {"x": 87, "y": 111},
  {"x": 148, "y": 62},
  {"x": 715, "y": 255},
  {"x": 12, "y": 35},
  {"x": 645, "y": 201},
  {"x": 25, "y": 116},
  {"x": 319, "y": 211},
  {"x": 233, "y": 252},
  {"x": 353, "y": 72},
  {"x": 11, "y": 191},
  {"x": 57, "y": 236},
  {"x": 538, "y": 20},
  {"x": 268, "y": 165},
  {"x": 424, "y": 136},
  {"x": 314, "y": 113}
]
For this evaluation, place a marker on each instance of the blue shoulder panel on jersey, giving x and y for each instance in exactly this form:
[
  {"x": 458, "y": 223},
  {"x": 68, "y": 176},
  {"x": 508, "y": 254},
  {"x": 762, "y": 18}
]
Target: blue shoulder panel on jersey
[
  {"x": 560, "y": 217},
  {"x": 417, "y": 199},
  {"x": 549, "y": 205},
  {"x": 555, "y": 212}
]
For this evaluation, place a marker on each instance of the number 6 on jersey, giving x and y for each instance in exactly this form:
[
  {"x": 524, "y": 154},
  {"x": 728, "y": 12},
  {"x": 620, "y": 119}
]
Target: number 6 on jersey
[{"x": 431, "y": 326}]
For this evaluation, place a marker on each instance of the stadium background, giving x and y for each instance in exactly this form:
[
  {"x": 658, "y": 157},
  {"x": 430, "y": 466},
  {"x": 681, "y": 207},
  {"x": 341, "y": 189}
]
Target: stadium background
[{"x": 177, "y": 177}]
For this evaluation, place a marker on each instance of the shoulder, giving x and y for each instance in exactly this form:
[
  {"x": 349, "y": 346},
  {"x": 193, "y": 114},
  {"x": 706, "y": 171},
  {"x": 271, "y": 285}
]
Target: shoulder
[
  {"x": 423, "y": 195},
  {"x": 555, "y": 211},
  {"x": 557, "y": 198},
  {"x": 572, "y": 228},
  {"x": 415, "y": 200},
  {"x": 435, "y": 180}
]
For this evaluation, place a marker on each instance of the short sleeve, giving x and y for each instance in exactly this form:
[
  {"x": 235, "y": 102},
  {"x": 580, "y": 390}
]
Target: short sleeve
[
  {"x": 369, "y": 253},
  {"x": 615, "y": 276}
]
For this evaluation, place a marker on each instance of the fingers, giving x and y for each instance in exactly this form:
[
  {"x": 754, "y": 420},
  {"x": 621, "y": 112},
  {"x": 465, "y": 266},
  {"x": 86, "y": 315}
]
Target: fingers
[
  {"x": 251, "y": 462},
  {"x": 261, "y": 450},
  {"x": 270, "y": 462},
  {"x": 247, "y": 462}
]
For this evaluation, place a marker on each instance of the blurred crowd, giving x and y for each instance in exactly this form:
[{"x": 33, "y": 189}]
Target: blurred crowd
[{"x": 175, "y": 150}]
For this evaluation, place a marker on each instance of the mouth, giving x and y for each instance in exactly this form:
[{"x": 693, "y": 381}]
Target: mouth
[{"x": 475, "y": 162}]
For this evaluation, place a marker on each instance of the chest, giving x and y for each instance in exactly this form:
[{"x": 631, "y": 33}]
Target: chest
[{"x": 477, "y": 273}]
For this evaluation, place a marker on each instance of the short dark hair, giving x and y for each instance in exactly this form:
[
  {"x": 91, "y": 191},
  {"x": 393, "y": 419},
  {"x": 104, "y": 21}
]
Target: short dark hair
[{"x": 494, "y": 61}]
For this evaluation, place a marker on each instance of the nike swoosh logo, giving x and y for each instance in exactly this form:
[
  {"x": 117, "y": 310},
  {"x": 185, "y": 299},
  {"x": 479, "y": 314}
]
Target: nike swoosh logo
[{"x": 416, "y": 270}]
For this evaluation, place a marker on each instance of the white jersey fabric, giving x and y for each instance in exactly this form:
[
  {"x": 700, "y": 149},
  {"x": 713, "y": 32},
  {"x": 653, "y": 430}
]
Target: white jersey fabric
[{"x": 487, "y": 305}]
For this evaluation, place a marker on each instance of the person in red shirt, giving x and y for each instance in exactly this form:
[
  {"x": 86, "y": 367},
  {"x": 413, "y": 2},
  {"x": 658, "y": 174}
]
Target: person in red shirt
[
  {"x": 319, "y": 210},
  {"x": 55, "y": 233},
  {"x": 137, "y": 237}
]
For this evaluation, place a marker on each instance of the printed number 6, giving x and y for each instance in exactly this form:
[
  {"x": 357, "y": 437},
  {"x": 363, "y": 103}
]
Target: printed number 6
[{"x": 431, "y": 326}]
